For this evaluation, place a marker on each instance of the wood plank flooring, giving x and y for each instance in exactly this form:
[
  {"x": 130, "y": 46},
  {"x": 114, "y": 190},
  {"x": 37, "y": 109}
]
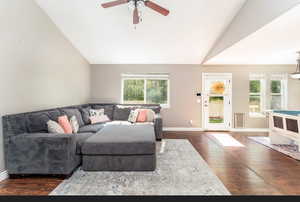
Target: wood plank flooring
[{"x": 250, "y": 170}]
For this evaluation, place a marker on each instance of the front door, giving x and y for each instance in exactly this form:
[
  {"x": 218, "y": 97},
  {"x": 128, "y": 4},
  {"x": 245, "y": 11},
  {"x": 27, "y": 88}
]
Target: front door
[{"x": 216, "y": 101}]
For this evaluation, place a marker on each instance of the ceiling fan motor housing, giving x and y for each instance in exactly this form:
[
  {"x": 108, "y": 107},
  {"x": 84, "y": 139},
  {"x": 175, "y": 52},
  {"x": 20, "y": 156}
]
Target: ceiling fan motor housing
[{"x": 136, "y": 4}]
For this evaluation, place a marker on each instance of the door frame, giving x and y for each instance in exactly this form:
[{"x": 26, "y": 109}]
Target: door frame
[{"x": 217, "y": 76}]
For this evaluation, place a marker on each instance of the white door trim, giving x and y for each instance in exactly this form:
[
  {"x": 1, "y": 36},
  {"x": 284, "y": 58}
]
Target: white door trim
[{"x": 229, "y": 93}]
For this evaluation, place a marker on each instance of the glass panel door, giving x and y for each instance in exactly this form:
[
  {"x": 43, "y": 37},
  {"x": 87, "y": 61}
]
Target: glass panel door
[
  {"x": 216, "y": 109},
  {"x": 216, "y": 106}
]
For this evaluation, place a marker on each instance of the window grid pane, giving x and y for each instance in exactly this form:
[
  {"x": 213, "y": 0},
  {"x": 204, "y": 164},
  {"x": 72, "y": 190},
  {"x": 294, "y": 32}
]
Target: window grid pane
[
  {"x": 157, "y": 91},
  {"x": 255, "y": 86},
  {"x": 276, "y": 86},
  {"x": 255, "y": 104},
  {"x": 146, "y": 91},
  {"x": 133, "y": 91},
  {"x": 276, "y": 102}
]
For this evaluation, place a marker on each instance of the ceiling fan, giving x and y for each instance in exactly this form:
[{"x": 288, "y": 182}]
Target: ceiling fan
[{"x": 136, "y": 5}]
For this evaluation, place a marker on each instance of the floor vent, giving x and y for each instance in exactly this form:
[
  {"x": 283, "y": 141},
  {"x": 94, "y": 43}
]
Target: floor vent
[{"x": 239, "y": 120}]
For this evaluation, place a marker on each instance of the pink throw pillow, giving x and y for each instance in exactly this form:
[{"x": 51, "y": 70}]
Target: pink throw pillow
[
  {"x": 142, "y": 117},
  {"x": 65, "y": 124}
]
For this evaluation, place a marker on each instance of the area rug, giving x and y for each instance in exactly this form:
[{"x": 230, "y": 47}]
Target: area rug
[
  {"x": 289, "y": 150},
  {"x": 180, "y": 171}
]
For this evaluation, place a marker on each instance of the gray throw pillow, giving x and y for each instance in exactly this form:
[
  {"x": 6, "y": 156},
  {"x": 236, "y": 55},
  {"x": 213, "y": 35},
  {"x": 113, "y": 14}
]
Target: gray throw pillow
[
  {"x": 85, "y": 112},
  {"x": 54, "y": 127}
]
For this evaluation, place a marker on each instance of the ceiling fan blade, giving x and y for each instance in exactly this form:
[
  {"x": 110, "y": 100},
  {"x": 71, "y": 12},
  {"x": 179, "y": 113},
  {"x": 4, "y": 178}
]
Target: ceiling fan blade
[
  {"x": 136, "y": 18},
  {"x": 114, "y": 3},
  {"x": 157, "y": 8}
]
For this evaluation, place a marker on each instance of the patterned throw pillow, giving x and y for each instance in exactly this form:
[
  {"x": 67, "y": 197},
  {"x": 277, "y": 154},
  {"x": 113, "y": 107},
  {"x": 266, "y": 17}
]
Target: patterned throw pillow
[
  {"x": 133, "y": 116},
  {"x": 65, "y": 124},
  {"x": 54, "y": 127},
  {"x": 99, "y": 119},
  {"x": 96, "y": 112},
  {"x": 74, "y": 124}
]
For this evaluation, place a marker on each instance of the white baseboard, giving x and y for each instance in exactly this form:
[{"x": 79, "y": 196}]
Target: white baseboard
[
  {"x": 3, "y": 175},
  {"x": 187, "y": 129}
]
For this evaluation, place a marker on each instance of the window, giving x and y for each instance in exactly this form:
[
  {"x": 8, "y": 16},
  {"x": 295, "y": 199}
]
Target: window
[
  {"x": 277, "y": 94},
  {"x": 145, "y": 89},
  {"x": 256, "y": 95},
  {"x": 273, "y": 97}
]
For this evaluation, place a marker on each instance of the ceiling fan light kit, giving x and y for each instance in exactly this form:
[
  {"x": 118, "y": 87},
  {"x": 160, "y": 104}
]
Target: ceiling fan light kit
[{"x": 136, "y": 6}]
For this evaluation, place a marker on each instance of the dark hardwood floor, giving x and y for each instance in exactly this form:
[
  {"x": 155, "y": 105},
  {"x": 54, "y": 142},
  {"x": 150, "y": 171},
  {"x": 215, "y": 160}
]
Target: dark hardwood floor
[{"x": 250, "y": 170}]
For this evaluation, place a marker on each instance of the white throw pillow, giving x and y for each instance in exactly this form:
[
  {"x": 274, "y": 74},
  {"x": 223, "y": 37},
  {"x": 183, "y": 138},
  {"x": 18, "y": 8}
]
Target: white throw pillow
[
  {"x": 150, "y": 115},
  {"x": 54, "y": 127},
  {"x": 74, "y": 124},
  {"x": 133, "y": 115},
  {"x": 96, "y": 112},
  {"x": 99, "y": 119}
]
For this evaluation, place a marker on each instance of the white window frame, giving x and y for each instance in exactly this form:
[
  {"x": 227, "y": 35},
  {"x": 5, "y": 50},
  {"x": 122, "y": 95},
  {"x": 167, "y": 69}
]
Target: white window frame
[
  {"x": 284, "y": 90},
  {"x": 266, "y": 94},
  {"x": 146, "y": 77},
  {"x": 262, "y": 94}
]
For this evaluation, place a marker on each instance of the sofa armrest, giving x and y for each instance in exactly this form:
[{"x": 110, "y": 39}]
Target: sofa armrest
[
  {"x": 158, "y": 126},
  {"x": 42, "y": 153}
]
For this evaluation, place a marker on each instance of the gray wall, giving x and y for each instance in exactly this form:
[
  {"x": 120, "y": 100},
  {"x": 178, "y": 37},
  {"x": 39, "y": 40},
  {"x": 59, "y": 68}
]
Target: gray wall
[
  {"x": 185, "y": 81},
  {"x": 39, "y": 68}
]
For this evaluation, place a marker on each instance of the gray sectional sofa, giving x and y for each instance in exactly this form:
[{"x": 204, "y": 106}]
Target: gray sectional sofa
[{"x": 116, "y": 145}]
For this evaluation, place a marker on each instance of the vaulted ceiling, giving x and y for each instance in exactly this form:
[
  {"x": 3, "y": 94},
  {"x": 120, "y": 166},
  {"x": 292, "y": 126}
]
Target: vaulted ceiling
[
  {"x": 275, "y": 43},
  {"x": 107, "y": 36}
]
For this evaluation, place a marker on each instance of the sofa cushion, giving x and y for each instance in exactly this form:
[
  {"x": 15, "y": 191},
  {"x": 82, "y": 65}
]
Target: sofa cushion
[
  {"x": 121, "y": 112},
  {"x": 14, "y": 124},
  {"x": 108, "y": 109},
  {"x": 91, "y": 128},
  {"x": 85, "y": 113},
  {"x": 54, "y": 114},
  {"x": 37, "y": 122},
  {"x": 80, "y": 138},
  {"x": 121, "y": 140},
  {"x": 73, "y": 112}
]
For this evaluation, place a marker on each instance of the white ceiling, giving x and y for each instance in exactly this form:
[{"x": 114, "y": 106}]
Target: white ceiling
[
  {"x": 276, "y": 43},
  {"x": 107, "y": 36}
]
